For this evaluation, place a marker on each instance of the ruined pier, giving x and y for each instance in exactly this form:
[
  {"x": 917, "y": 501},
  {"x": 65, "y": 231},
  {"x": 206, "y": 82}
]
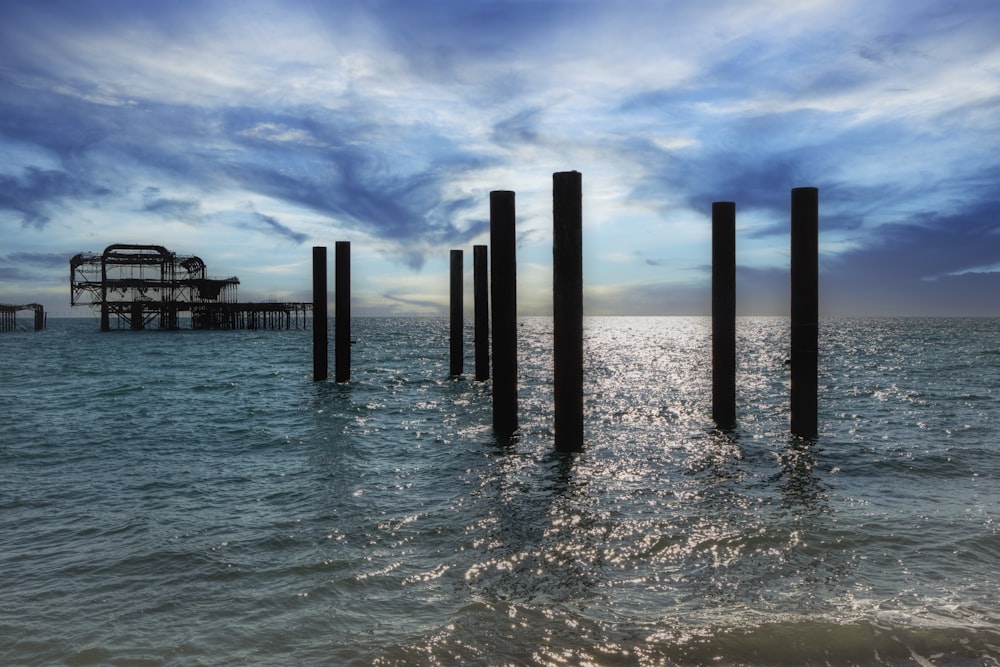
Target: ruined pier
[
  {"x": 147, "y": 286},
  {"x": 8, "y": 315}
]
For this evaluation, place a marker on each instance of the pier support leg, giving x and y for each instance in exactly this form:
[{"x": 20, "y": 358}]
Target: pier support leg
[
  {"x": 457, "y": 346},
  {"x": 503, "y": 288},
  {"x": 321, "y": 362},
  {"x": 567, "y": 273},
  {"x": 805, "y": 311},
  {"x": 342, "y": 312},
  {"x": 39, "y": 318},
  {"x": 480, "y": 295},
  {"x": 724, "y": 314}
]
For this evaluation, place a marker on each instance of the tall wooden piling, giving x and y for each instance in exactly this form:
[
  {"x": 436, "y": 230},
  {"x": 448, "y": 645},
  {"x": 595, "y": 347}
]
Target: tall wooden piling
[
  {"x": 805, "y": 311},
  {"x": 321, "y": 362},
  {"x": 503, "y": 288},
  {"x": 457, "y": 346},
  {"x": 567, "y": 309},
  {"x": 724, "y": 313},
  {"x": 481, "y": 314},
  {"x": 342, "y": 312}
]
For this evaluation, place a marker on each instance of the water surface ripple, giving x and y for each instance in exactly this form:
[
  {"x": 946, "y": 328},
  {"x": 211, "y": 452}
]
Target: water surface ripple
[{"x": 194, "y": 498}]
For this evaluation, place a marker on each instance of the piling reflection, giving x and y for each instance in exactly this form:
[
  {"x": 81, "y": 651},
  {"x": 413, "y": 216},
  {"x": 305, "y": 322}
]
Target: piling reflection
[
  {"x": 540, "y": 538},
  {"x": 801, "y": 488}
]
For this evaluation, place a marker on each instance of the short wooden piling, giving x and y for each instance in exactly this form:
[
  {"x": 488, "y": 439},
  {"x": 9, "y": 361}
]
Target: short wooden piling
[
  {"x": 321, "y": 362},
  {"x": 481, "y": 314},
  {"x": 567, "y": 309},
  {"x": 342, "y": 312},
  {"x": 457, "y": 346},
  {"x": 724, "y": 314},
  {"x": 503, "y": 289},
  {"x": 804, "y": 311}
]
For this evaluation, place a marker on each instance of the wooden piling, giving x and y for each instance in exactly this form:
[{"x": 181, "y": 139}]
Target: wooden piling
[
  {"x": 480, "y": 294},
  {"x": 503, "y": 289},
  {"x": 39, "y": 318},
  {"x": 342, "y": 312},
  {"x": 457, "y": 347},
  {"x": 321, "y": 361},
  {"x": 567, "y": 309},
  {"x": 804, "y": 311},
  {"x": 724, "y": 314}
]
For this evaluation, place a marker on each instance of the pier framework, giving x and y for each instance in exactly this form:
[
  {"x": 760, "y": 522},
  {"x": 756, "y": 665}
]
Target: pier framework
[
  {"x": 8, "y": 315},
  {"x": 147, "y": 286}
]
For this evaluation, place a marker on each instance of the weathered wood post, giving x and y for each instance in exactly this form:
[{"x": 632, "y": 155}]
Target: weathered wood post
[
  {"x": 457, "y": 347},
  {"x": 39, "y": 317},
  {"x": 503, "y": 288},
  {"x": 320, "y": 317},
  {"x": 567, "y": 309},
  {"x": 724, "y": 313},
  {"x": 805, "y": 311},
  {"x": 342, "y": 312},
  {"x": 480, "y": 291}
]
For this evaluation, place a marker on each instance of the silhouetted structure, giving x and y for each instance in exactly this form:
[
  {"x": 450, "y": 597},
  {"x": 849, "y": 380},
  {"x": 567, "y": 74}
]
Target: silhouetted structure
[
  {"x": 321, "y": 360},
  {"x": 805, "y": 311},
  {"x": 503, "y": 288},
  {"x": 8, "y": 315},
  {"x": 342, "y": 312},
  {"x": 724, "y": 314},
  {"x": 481, "y": 316},
  {"x": 457, "y": 344},
  {"x": 147, "y": 286},
  {"x": 567, "y": 309}
]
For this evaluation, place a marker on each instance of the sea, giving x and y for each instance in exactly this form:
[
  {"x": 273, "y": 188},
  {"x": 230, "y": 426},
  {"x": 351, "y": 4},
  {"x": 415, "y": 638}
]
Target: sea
[{"x": 196, "y": 498}]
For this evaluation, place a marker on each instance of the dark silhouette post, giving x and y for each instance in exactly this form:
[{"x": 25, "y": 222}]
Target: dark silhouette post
[
  {"x": 567, "y": 308},
  {"x": 39, "y": 318},
  {"x": 805, "y": 310},
  {"x": 457, "y": 307},
  {"x": 105, "y": 318},
  {"x": 503, "y": 286},
  {"x": 321, "y": 362},
  {"x": 724, "y": 313},
  {"x": 342, "y": 312},
  {"x": 480, "y": 293}
]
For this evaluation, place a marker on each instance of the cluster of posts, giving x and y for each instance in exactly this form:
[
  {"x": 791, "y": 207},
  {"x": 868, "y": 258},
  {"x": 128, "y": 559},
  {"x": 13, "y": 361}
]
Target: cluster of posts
[
  {"x": 567, "y": 269},
  {"x": 804, "y": 312}
]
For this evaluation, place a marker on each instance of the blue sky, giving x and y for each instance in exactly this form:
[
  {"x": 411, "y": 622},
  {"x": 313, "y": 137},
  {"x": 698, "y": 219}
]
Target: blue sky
[{"x": 247, "y": 132}]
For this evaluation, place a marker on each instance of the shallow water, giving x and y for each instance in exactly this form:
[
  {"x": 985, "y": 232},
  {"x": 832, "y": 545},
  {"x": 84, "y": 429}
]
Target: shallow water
[{"x": 195, "y": 498}]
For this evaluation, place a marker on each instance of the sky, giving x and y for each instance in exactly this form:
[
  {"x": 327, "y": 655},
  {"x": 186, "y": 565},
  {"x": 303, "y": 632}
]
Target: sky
[{"x": 247, "y": 132}]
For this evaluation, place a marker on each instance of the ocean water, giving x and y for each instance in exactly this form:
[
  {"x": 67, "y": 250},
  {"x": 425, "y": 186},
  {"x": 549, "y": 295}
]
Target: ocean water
[{"x": 194, "y": 498}]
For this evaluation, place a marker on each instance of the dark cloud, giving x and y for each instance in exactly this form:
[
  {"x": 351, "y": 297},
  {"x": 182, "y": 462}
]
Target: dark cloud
[
  {"x": 521, "y": 128},
  {"x": 270, "y": 224},
  {"x": 361, "y": 186},
  {"x": 34, "y": 267},
  {"x": 44, "y": 259},
  {"x": 436, "y": 38},
  {"x": 917, "y": 268},
  {"x": 908, "y": 269},
  {"x": 166, "y": 207},
  {"x": 31, "y": 195}
]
